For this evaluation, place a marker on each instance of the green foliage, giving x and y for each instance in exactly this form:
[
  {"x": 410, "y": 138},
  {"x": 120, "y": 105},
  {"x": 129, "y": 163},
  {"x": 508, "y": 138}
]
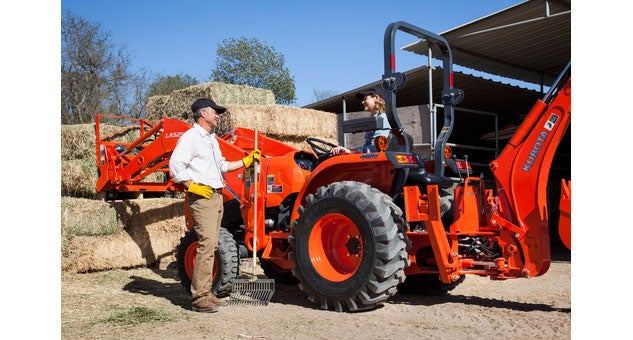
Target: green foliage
[
  {"x": 137, "y": 315},
  {"x": 95, "y": 74},
  {"x": 164, "y": 85},
  {"x": 250, "y": 62}
]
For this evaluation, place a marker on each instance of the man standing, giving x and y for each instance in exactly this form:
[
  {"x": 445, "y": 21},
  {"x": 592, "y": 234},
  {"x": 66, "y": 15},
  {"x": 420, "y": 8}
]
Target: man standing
[{"x": 198, "y": 164}]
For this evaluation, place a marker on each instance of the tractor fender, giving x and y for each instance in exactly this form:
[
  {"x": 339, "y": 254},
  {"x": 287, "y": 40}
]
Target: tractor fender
[{"x": 381, "y": 170}]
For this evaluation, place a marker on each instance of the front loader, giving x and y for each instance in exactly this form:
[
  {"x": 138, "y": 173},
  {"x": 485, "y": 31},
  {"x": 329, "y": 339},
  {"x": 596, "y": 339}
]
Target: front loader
[
  {"x": 354, "y": 229},
  {"x": 135, "y": 151}
]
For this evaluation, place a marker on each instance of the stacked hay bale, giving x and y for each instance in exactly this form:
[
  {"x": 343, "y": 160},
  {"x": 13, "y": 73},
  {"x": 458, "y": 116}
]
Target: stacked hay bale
[
  {"x": 79, "y": 170},
  {"x": 178, "y": 103},
  {"x": 249, "y": 108},
  {"x": 98, "y": 235}
]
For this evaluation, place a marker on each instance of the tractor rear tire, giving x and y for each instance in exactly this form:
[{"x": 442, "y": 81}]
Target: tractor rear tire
[
  {"x": 348, "y": 251},
  {"x": 446, "y": 206},
  {"x": 226, "y": 267}
]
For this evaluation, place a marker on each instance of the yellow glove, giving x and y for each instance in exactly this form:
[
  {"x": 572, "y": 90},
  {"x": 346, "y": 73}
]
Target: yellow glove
[
  {"x": 254, "y": 155},
  {"x": 201, "y": 190}
]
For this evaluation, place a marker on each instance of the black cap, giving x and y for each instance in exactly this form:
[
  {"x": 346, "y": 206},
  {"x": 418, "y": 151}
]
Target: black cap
[
  {"x": 206, "y": 102},
  {"x": 372, "y": 90}
]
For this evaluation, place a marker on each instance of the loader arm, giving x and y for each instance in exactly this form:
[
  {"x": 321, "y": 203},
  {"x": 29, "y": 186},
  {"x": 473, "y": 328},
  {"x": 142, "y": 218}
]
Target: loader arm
[
  {"x": 521, "y": 173},
  {"x": 123, "y": 166}
]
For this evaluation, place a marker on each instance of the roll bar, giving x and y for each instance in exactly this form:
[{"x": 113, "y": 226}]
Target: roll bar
[{"x": 392, "y": 81}]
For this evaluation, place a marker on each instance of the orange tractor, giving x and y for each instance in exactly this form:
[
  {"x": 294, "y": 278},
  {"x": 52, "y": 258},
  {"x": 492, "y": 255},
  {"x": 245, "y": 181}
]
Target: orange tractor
[{"x": 354, "y": 229}]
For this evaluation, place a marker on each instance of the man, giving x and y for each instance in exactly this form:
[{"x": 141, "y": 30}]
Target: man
[
  {"x": 198, "y": 164},
  {"x": 375, "y": 104}
]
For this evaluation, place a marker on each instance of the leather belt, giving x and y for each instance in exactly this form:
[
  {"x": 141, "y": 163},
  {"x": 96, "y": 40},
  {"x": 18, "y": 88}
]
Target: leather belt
[{"x": 214, "y": 190}]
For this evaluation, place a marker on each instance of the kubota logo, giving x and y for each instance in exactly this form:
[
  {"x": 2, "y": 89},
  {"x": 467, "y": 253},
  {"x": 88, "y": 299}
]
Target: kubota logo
[
  {"x": 538, "y": 144},
  {"x": 536, "y": 148},
  {"x": 174, "y": 134}
]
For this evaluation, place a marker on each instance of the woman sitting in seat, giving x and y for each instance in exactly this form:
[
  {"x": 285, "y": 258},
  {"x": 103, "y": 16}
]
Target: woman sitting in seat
[{"x": 372, "y": 102}]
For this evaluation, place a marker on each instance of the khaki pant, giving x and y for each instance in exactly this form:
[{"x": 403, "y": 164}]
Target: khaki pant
[{"x": 207, "y": 217}]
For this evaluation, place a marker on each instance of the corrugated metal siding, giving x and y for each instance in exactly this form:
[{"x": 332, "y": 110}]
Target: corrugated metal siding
[{"x": 523, "y": 42}]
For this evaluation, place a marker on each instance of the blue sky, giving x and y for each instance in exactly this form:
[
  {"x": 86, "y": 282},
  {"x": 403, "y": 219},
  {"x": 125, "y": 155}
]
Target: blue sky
[{"x": 328, "y": 45}]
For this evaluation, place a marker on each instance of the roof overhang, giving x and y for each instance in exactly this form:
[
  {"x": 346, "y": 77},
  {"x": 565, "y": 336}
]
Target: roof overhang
[
  {"x": 480, "y": 94},
  {"x": 530, "y": 41}
]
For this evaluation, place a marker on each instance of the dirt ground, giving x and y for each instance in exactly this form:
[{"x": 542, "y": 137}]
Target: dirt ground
[{"x": 535, "y": 308}]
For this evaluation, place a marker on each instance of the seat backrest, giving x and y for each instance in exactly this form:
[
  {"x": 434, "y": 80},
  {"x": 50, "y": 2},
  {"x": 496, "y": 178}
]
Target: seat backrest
[{"x": 406, "y": 145}]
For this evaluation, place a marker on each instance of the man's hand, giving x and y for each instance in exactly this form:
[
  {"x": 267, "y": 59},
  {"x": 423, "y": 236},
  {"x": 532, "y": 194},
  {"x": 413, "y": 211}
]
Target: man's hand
[
  {"x": 201, "y": 190},
  {"x": 254, "y": 155}
]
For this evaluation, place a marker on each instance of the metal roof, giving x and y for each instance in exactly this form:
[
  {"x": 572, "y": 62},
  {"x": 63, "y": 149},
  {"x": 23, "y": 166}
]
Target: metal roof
[
  {"x": 480, "y": 94},
  {"x": 530, "y": 41}
]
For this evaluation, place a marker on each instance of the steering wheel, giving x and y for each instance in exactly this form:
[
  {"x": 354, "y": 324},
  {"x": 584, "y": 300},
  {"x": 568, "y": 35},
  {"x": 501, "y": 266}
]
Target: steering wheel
[{"x": 318, "y": 146}]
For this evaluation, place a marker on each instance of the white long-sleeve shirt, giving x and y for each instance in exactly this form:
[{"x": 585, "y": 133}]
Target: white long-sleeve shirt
[{"x": 198, "y": 158}]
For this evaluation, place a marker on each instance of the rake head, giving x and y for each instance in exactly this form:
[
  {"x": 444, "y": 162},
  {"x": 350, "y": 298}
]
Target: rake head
[{"x": 253, "y": 291}]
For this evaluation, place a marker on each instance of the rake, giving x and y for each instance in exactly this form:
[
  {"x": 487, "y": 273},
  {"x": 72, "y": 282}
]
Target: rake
[{"x": 253, "y": 290}]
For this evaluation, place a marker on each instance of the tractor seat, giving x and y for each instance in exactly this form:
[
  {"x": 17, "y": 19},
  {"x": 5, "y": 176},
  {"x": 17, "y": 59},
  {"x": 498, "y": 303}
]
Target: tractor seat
[{"x": 419, "y": 176}]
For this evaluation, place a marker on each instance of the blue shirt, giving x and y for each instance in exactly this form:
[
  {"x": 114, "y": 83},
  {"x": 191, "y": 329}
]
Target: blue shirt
[{"x": 370, "y": 135}]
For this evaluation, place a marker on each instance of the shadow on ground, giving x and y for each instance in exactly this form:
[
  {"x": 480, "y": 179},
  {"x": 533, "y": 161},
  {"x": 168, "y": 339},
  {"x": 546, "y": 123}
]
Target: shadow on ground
[
  {"x": 173, "y": 292},
  {"x": 290, "y": 294}
]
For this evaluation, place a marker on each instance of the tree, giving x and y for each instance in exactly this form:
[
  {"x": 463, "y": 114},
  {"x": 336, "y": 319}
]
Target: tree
[
  {"x": 249, "y": 62},
  {"x": 95, "y": 75},
  {"x": 164, "y": 85},
  {"x": 320, "y": 95}
]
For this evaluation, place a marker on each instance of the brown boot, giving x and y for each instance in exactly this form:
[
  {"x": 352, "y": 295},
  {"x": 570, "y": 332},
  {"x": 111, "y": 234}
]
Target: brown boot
[
  {"x": 216, "y": 300},
  {"x": 204, "y": 304}
]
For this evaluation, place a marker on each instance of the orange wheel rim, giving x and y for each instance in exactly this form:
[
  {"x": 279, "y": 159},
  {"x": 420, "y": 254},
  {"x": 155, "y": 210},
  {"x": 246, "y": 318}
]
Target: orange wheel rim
[
  {"x": 335, "y": 247},
  {"x": 190, "y": 260}
]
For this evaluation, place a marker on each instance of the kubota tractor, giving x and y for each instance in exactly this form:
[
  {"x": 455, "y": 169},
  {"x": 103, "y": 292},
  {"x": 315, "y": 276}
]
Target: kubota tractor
[{"x": 354, "y": 229}]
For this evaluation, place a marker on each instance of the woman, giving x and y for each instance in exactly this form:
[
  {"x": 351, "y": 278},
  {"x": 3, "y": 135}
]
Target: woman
[{"x": 373, "y": 103}]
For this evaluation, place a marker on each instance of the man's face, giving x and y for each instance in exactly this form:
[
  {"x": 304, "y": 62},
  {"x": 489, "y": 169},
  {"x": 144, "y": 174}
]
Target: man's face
[{"x": 211, "y": 117}]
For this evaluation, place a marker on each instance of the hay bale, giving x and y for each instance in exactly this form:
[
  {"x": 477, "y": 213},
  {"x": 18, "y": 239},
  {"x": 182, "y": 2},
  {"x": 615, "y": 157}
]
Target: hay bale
[
  {"x": 156, "y": 106},
  {"x": 79, "y": 177},
  {"x": 79, "y": 141},
  {"x": 85, "y": 217},
  {"x": 98, "y": 235},
  {"x": 178, "y": 103},
  {"x": 280, "y": 120},
  {"x": 298, "y": 142}
]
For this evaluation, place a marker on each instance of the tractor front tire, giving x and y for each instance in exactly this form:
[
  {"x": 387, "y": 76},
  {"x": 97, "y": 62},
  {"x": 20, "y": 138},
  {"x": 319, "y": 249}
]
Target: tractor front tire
[
  {"x": 348, "y": 251},
  {"x": 226, "y": 262}
]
